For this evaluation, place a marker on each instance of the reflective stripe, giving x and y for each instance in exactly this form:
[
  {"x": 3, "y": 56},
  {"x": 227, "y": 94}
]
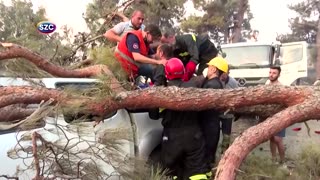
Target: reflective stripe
[
  {"x": 175, "y": 177},
  {"x": 209, "y": 174},
  {"x": 161, "y": 109},
  {"x": 194, "y": 37},
  {"x": 198, "y": 177},
  {"x": 184, "y": 54},
  {"x": 127, "y": 57}
]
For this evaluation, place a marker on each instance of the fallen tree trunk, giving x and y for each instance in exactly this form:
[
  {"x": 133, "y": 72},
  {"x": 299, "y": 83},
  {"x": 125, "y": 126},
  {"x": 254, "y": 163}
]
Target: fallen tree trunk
[
  {"x": 262, "y": 132},
  {"x": 169, "y": 97},
  {"x": 291, "y": 104},
  {"x": 14, "y": 112},
  {"x": 16, "y": 51}
]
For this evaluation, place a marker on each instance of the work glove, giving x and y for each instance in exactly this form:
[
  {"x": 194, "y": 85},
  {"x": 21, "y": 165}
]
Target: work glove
[
  {"x": 205, "y": 72},
  {"x": 190, "y": 69}
]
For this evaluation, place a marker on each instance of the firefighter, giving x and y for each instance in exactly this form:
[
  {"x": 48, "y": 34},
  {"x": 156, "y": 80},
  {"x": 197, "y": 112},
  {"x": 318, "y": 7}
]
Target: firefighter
[
  {"x": 209, "y": 119},
  {"x": 192, "y": 50},
  {"x": 183, "y": 145},
  {"x": 164, "y": 51},
  {"x": 133, "y": 52}
]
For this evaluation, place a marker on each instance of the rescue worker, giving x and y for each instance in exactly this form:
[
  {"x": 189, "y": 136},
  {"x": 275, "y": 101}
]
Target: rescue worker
[
  {"x": 133, "y": 51},
  {"x": 183, "y": 145},
  {"x": 164, "y": 51},
  {"x": 209, "y": 119},
  {"x": 192, "y": 50},
  {"x": 136, "y": 23}
]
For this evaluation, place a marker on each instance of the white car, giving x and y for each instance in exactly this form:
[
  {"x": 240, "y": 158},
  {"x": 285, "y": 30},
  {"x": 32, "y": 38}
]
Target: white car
[{"x": 79, "y": 142}]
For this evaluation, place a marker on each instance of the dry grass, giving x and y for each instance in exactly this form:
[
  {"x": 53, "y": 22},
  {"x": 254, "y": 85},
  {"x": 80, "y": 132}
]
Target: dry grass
[{"x": 305, "y": 165}]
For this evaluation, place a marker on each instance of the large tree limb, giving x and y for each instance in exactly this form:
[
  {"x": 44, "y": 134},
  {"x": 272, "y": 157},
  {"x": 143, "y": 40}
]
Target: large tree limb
[
  {"x": 301, "y": 102},
  {"x": 16, "y": 51},
  {"x": 170, "y": 97},
  {"x": 262, "y": 132},
  {"x": 14, "y": 112}
]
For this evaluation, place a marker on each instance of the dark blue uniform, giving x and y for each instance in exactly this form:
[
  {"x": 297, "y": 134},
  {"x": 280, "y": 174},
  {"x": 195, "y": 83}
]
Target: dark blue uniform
[{"x": 183, "y": 144}]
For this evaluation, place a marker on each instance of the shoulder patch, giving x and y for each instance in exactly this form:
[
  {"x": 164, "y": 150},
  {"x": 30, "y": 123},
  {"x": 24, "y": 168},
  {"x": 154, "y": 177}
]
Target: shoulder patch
[{"x": 135, "y": 46}]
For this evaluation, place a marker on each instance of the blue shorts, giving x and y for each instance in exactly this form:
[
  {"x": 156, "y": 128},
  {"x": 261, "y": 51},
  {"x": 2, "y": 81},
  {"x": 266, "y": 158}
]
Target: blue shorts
[{"x": 282, "y": 133}]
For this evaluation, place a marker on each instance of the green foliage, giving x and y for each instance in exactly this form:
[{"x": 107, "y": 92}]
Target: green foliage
[
  {"x": 162, "y": 12},
  {"x": 218, "y": 18},
  {"x": 18, "y": 24},
  {"x": 99, "y": 14},
  {"x": 304, "y": 26},
  {"x": 105, "y": 55}
]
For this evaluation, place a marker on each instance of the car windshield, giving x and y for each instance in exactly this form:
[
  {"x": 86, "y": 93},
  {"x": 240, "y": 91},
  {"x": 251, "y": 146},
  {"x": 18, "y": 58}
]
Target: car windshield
[
  {"x": 291, "y": 53},
  {"x": 248, "y": 56}
]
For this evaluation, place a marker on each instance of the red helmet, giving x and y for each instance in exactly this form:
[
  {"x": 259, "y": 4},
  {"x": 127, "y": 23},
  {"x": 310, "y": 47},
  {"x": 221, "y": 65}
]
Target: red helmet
[{"x": 174, "y": 69}]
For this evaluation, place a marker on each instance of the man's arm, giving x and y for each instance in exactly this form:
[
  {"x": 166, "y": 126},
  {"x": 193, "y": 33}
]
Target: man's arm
[
  {"x": 143, "y": 59},
  {"x": 211, "y": 84},
  {"x": 133, "y": 45},
  {"x": 192, "y": 48},
  {"x": 114, "y": 34}
]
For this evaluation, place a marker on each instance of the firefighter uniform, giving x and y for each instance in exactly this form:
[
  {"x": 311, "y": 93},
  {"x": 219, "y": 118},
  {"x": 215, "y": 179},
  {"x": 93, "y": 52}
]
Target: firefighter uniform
[
  {"x": 198, "y": 49},
  {"x": 183, "y": 144},
  {"x": 210, "y": 123}
]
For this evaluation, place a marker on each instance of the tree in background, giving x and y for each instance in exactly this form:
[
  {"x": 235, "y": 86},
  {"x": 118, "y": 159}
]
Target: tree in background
[
  {"x": 223, "y": 19},
  {"x": 102, "y": 15},
  {"x": 305, "y": 27},
  {"x": 18, "y": 24}
]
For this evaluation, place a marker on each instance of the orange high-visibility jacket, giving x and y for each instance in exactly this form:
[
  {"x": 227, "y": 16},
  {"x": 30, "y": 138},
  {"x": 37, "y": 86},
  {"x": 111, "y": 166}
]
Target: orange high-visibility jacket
[{"x": 125, "y": 57}]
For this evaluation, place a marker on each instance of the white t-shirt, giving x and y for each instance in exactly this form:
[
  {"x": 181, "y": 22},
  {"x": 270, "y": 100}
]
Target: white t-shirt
[
  {"x": 124, "y": 27},
  {"x": 277, "y": 83}
]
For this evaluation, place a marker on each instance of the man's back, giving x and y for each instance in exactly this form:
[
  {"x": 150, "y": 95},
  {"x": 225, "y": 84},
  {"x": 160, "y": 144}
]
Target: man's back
[{"x": 178, "y": 119}]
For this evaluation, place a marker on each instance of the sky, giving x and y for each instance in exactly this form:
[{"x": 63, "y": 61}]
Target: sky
[{"x": 270, "y": 16}]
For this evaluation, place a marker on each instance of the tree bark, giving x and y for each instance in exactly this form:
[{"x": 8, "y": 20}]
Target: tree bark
[
  {"x": 302, "y": 104},
  {"x": 14, "y": 112},
  {"x": 298, "y": 103},
  {"x": 168, "y": 97},
  {"x": 260, "y": 133},
  {"x": 16, "y": 51}
]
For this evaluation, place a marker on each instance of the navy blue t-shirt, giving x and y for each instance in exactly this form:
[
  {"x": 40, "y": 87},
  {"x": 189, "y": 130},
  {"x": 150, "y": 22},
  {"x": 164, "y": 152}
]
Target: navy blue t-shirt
[{"x": 133, "y": 44}]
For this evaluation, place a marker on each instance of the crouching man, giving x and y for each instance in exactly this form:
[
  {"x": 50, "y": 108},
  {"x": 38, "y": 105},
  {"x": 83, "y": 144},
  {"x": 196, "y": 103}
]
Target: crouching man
[{"x": 183, "y": 144}]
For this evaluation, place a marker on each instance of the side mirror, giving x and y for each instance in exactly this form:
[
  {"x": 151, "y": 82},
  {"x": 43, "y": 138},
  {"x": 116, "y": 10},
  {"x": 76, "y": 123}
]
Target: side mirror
[{"x": 223, "y": 54}]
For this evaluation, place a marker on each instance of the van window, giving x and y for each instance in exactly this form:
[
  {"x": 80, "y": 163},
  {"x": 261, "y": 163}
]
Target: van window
[
  {"x": 291, "y": 53},
  {"x": 249, "y": 56}
]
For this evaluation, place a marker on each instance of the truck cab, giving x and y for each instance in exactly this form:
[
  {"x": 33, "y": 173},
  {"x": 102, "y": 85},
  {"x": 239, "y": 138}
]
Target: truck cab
[
  {"x": 144, "y": 135},
  {"x": 250, "y": 62}
]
